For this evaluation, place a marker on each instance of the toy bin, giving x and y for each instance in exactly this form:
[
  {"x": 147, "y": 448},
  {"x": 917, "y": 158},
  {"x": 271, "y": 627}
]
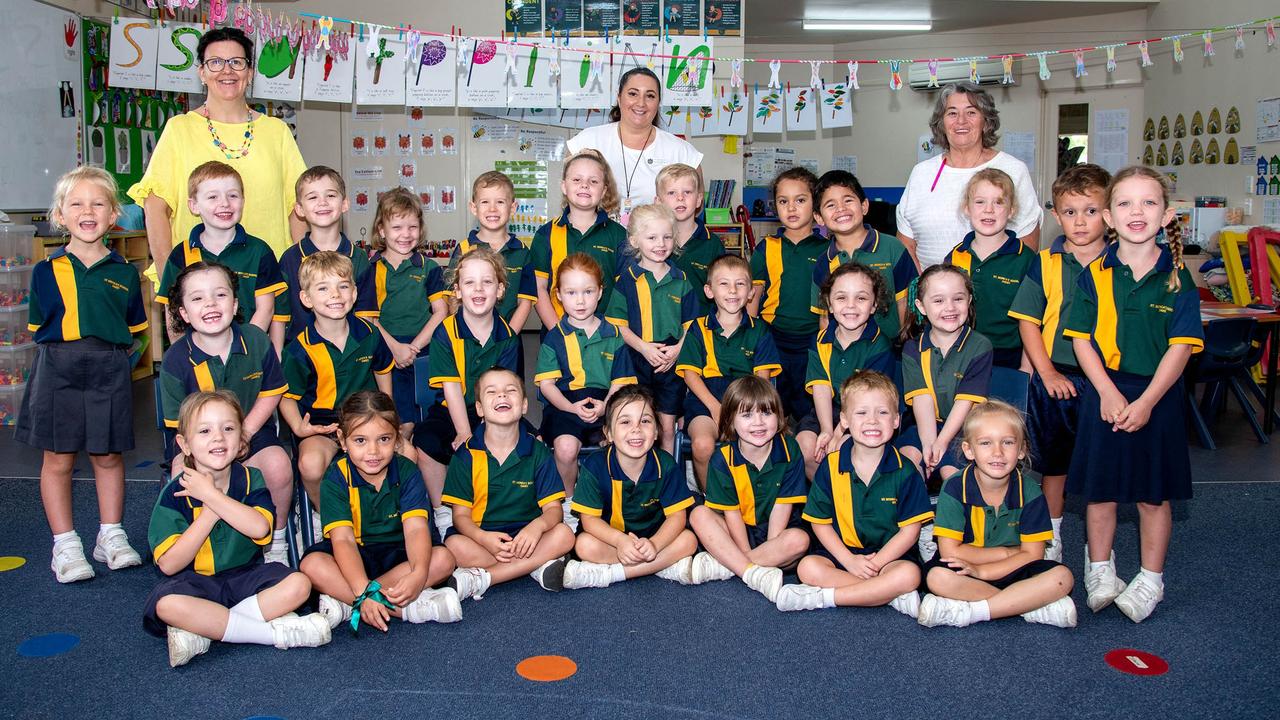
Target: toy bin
[
  {"x": 15, "y": 363},
  {"x": 16, "y": 242},
  {"x": 15, "y": 284},
  {"x": 13, "y": 327},
  {"x": 10, "y": 403}
]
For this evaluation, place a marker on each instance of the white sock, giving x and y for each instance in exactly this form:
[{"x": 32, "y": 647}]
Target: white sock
[
  {"x": 277, "y": 537},
  {"x": 1098, "y": 565},
  {"x": 104, "y": 527},
  {"x": 244, "y": 629},
  {"x": 979, "y": 611},
  {"x": 65, "y": 537},
  {"x": 1155, "y": 577},
  {"x": 617, "y": 573},
  {"x": 1057, "y": 527},
  {"x": 828, "y": 597},
  {"x": 249, "y": 608}
]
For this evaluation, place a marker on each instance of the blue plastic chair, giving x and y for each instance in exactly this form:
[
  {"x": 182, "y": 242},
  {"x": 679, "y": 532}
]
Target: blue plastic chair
[
  {"x": 1011, "y": 386},
  {"x": 1225, "y": 362}
]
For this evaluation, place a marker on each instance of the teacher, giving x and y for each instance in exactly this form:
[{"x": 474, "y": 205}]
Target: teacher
[
  {"x": 259, "y": 147},
  {"x": 965, "y": 124},
  {"x": 633, "y": 144}
]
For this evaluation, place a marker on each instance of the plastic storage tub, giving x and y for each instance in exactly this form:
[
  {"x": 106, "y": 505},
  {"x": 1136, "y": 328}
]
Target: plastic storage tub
[
  {"x": 10, "y": 403},
  {"x": 16, "y": 242},
  {"x": 15, "y": 363}
]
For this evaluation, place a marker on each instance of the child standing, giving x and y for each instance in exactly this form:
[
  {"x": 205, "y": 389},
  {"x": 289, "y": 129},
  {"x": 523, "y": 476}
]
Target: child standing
[
  {"x": 85, "y": 305},
  {"x": 381, "y": 555},
  {"x": 206, "y": 531},
  {"x": 997, "y": 261},
  {"x": 1041, "y": 307},
  {"x": 720, "y": 348},
  {"x": 1135, "y": 320},
  {"x": 782, "y": 273},
  {"x": 680, "y": 188},
  {"x": 991, "y": 528},
  {"x": 652, "y": 306},
  {"x": 493, "y": 199},
  {"x": 755, "y": 480}
]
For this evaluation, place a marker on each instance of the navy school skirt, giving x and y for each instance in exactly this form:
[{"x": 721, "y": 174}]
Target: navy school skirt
[
  {"x": 79, "y": 397},
  {"x": 557, "y": 422}
]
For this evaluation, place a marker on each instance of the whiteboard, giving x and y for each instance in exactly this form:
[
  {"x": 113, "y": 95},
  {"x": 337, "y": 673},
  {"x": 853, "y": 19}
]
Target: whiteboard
[{"x": 37, "y": 144}]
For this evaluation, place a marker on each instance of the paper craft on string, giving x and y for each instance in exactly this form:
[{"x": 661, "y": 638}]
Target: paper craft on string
[
  {"x": 482, "y": 72},
  {"x": 432, "y": 76},
  {"x": 176, "y": 66},
  {"x": 380, "y": 70}
]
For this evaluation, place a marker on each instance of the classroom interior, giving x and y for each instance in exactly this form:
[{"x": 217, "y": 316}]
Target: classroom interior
[{"x": 650, "y": 648}]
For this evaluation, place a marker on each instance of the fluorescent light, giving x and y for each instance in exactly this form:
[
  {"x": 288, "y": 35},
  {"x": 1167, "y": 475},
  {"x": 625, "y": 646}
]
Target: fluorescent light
[{"x": 869, "y": 25}]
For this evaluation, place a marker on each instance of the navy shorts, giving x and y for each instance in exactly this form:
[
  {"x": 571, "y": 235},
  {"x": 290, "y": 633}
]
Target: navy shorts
[
  {"x": 810, "y": 423},
  {"x": 911, "y": 438},
  {"x": 793, "y": 354},
  {"x": 435, "y": 434},
  {"x": 378, "y": 558},
  {"x": 817, "y": 548},
  {"x": 1051, "y": 423},
  {"x": 1030, "y": 570},
  {"x": 1007, "y": 357},
  {"x": 757, "y": 534},
  {"x": 402, "y": 389},
  {"x": 668, "y": 388},
  {"x": 226, "y": 588},
  {"x": 694, "y": 407},
  {"x": 513, "y": 529},
  {"x": 556, "y": 422}
]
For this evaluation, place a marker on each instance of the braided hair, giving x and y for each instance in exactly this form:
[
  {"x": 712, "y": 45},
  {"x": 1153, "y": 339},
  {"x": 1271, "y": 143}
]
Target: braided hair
[{"x": 1172, "y": 231}]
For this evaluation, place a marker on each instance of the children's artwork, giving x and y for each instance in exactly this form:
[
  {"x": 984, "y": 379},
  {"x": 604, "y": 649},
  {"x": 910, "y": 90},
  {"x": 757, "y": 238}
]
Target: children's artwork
[
  {"x": 328, "y": 76},
  {"x": 1212, "y": 155},
  {"x": 636, "y": 52},
  {"x": 1178, "y": 156},
  {"x": 1197, "y": 152},
  {"x": 1197, "y": 124},
  {"x": 448, "y": 199},
  {"x": 408, "y": 170},
  {"x": 1162, "y": 155},
  {"x": 176, "y": 66},
  {"x": 1163, "y": 132},
  {"x": 431, "y": 78},
  {"x": 123, "y": 152},
  {"x": 359, "y": 145},
  {"x": 1215, "y": 122},
  {"x": 133, "y": 54},
  {"x": 687, "y": 80},
  {"x": 277, "y": 75},
  {"x": 1149, "y": 130},
  {"x": 379, "y": 144},
  {"x": 415, "y": 116},
  {"x": 768, "y": 111},
  {"x": 1231, "y": 156},
  {"x": 448, "y": 141},
  {"x": 641, "y": 17},
  {"x": 1233, "y": 121},
  {"x": 681, "y": 17},
  {"x": 404, "y": 144},
  {"x": 837, "y": 107},
  {"x": 1148, "y": 157},
  {"x": 481, "y": 82},
  {"x": 426, "y": 144},
  {"x": 427, "y": 196},
  {"x": 361, "y": 196},
  {"x": 675, "y": 119},
  {"x": 380, "y": 77},
  {"x": 733, "y": 112},
  {"x": 600, "y": 17},
  {"x": 563, "y": 16},
  {"x": 705, "y": 121},
  {"x": 149, "y": 140},
  {"x": 723, "y": 17},
  {"x": 586, "y": 74},
  {"x": 533, "y": 84},
  {"x": 1179, "y": 127},
  {"x": 801, "y": 113}
]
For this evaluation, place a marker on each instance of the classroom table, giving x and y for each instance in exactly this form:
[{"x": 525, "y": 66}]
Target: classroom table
[{"x": 1214, "y": 310}]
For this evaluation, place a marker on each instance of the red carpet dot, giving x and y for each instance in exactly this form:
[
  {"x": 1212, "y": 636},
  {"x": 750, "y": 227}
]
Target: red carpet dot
[
  {"x": 546, "y": 668},
  {"x": 10, "y": 562},
  {"x": 1136, "y": 662}
]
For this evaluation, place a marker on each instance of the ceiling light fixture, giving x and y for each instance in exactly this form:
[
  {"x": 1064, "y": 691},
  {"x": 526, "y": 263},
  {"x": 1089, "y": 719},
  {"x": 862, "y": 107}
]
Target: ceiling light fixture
[{"x": 869, "y": 25}]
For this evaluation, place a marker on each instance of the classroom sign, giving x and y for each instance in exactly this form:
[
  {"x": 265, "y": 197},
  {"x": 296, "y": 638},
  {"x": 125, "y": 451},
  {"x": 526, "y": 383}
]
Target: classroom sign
[
  {"x": 431, "y": 78},
  {"x": 586, "y": 74},
  {"x": 277, "y": 74},
  {"x": 133, "y": 55},
  {"x": 176, "y": 66}
]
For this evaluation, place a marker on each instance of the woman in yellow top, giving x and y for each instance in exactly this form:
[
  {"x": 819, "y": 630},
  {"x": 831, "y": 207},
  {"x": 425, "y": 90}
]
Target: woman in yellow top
[{"x": 261, "y": 148}]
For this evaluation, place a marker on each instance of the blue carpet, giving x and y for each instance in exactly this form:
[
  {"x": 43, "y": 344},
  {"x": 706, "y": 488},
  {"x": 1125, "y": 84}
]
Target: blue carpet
[{"x": 650, "y": 649}]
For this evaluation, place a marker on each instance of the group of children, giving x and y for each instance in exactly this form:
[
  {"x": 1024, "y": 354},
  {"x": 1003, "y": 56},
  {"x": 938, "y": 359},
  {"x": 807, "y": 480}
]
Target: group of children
[{"x": 789, "y": 374}]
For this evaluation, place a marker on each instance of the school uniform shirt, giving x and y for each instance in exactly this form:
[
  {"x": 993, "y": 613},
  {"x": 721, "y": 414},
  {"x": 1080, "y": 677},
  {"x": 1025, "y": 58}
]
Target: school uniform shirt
[
  {"x": 656, "y": 310},
  {"x": 400, "y": 297},
  {"x": 963, "y": 373},
  {"x": 521, "y": 284},
  {"x": 1130, "y": 321},
  {"x": 995, "y": 284},
  {"x": 289, "y": 307},
  {"x": 459, "y": 356},
  {"x": 576, "y": 362},
  {"x": 503, "y": 494},
  {"x": 867, "y": 515},
  {"x": 251, "y": 371},
  {"x": 553, "y": 242},
  {"x": 69, "y": 301},
  {"x": 226, "y": 548},
  {"x": 639, "y": 506},
  {"x": 783, "y": 273},
  {"x": 375, "y": 515},
  {"x": 251, "y": 259},
  {"x": 883, "y": 253},
  {"x": 694, "y": 257},
  {"x": 321, "y": 376},
  {"x": 747, "y": 350},
  {"x": 733, "y": 483},
  {"x": 831, "y": 365},
  {"x": 964, "y": 516},
  {"x": 1044, "y": 298}
]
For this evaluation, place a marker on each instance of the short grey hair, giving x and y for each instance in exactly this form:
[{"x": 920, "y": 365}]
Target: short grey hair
[{"x": 981, "y": 99}]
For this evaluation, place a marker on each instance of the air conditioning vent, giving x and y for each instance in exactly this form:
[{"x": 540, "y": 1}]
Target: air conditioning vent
[{"x": 990, "y": 72}]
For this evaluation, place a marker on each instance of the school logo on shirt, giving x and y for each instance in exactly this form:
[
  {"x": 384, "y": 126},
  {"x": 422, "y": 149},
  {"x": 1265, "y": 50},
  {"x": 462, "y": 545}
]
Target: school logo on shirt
[
  {"x": 607, "y": 356},
  {"x": 522, "y": 484},
  {"x": 603, "y": 249},
  {"x": 247, "y": 275},
  {"x": 674, "y": 298},
  {"x": 1007, "y": 280},
  {"x": 649, "y": 503},
  {"x": 252, "y": 376},
  {"x": 890, "y": 500},
  {"x": 959, "y": 376},
  {"x": 879, "y": 266},
  {"x": 748, "y": 353},
  {"x": 115, "y": 285},
  {"x": 365, "y": 359},
  {"x": 1163, "y": 309}
]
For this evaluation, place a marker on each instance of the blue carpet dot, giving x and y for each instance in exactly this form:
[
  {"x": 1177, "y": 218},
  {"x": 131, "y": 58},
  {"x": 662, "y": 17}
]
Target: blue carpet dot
[
  {"x": 263, "y": 717},
  {"x": 48, "y": 645}
]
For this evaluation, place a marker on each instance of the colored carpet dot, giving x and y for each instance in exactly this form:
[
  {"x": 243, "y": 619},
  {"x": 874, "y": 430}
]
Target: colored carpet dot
[
  {"x": 263, "y": 717},
  {"x": 546, "y": 668},
  {"x": 9, "y": 562},
  {"x": 48, "y": 645},
  {"x": 1136, "y": 662}
]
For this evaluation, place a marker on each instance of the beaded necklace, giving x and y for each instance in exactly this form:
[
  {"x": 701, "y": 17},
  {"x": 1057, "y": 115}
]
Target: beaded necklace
[{"x": 226, "y": 150}]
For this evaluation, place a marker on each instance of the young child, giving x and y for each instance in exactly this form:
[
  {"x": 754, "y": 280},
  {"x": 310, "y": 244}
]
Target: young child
[
  {"x": 680, "y": 188},
  {"x": 85, "y": 305},
  {"x": 590, "y": 197},
  {"x": 991, "y": 529},
  {"x": 403, "y": 295},
  {"x": 841, "y": 205},
  {"x": 755, "y": 480},
  {"x": 632, "y": 500},
  {"x": 322, "y": 201},
  {"x": 493, "y": 199},
  {"x": 506, "y": 494},
  {"x": 472, "y": 340},
  {"x": 206, "y": 533},
  {"x": 866, "y": 506},
  {"x": 945, "y": 371},
  {"x": 381, "y": 555},
  {"x": 652, "y": 305},
  {"x": 216, "y": 194},
  {"x": 996, "y": 260},
  {"x": 782, "y": 273},
  {"x": 1042, "y": 305},
  {"x": 720, "y": 348},
  {"x": 1135, "y": 320},
  {"x": 854, "y": 294},
  {"x": 337, "y": 354},
  {"x": 213, "y": 351},
  {"x": 583, "y": 361}
]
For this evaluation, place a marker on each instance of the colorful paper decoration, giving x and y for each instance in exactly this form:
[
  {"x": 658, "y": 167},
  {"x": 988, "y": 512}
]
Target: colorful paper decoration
[
  {"x": 815, "y": 79},
  {"x": 276, "y": 73},
  {"x": 801, "y": 114},
  {"x": 853, "y": 75},
  {"x": 484, "y": 84},
  {"x": 1208, "y": 43},
  {"x": 1239, "y": 39},
  {"x": 1111, "y": 58},
  {"x": 218, "y": 11},
  {"x": 133, "y": 55},
  {"x": 895, "y": 74},
  {"x": 735, "y": 73},
  {"x": 933, "y": 73},
  {"x": 974, "y": 77},
  {"x": 176, "y": 66},
  {"x": 432, "y": 80},
  {"x": 687, "y": 80},
  {"x": 774, "y": 67},
  {"x": 1044, "y": 66},
  {"x": 1006, "y": 65},
  {"x": 1271, "y": 33},
  {"x": 1145, "y": 52},
  {"x": 328, "y": 76},
  {"x": 1080, "y": 69},
  {"x": 586, "y": 80},
  {"x": 733, "y": 113},
  {"x": 836, "y": 110},
  {"x": 532, "y": 84},
  {"x": 768, "y": 111},
  {"x": 379, "y": 71},
  {"x": 1178, "y": 55}
]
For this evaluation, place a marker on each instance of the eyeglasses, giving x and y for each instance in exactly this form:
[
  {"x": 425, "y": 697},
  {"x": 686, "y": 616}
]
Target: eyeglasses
[{"x": 215, "y": 64}]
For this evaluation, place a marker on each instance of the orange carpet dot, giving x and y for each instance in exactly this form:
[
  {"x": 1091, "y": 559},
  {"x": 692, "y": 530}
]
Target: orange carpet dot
[{"x": 546, "y": 668}]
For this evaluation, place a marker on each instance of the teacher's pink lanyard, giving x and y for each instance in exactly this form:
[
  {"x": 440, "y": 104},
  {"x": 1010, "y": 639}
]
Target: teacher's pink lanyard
[{"x": 935, "y": 177}]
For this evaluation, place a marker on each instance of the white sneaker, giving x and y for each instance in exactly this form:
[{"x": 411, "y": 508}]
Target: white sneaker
[
  {"x": 799, "y": 597},
  {"x": 935, "y": 611},
  {"x": 707, "y": 568},
  {"x": 470, "y": 582},
  {"x": 928, "y": 548},
  {"x": 1053, "y": 550},
  {"x": 69, "y": 564},
  {"x": 185, "y": 645},
  {"x": 1102, "y": 586},
  {"x": 680, "y": 571},
  {"x": 113, "y": 549},
  {"x": 579, "y": 574},
  {"x": 317, "y": 529},
  {"x": 334, "y": 610},
  {"x": 908, "y": 603},
  {"x": 550, "y": 575},
  {"x": 765, "y": 580},
  {"x": 292, "y": 631},
  {"x": 443, "y": 516},
  {"x": 276, "y": 552},
  {"x": 1059, "y": 613},
  {"x": 441, "y": 606},
  {"x": 1140, "y": 599}
]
